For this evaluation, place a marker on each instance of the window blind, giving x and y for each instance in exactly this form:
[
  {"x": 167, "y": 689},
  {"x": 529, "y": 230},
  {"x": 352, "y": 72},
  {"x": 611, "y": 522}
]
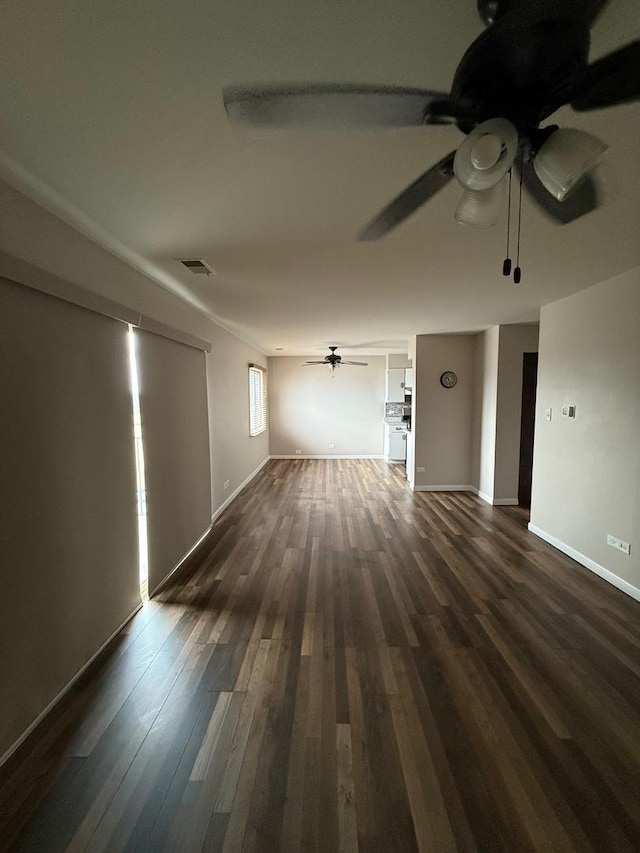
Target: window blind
[
  {"x": 257, "y": 399},
  {"x": 175, "y": 432},
  {"x": 67, "y": 491}
]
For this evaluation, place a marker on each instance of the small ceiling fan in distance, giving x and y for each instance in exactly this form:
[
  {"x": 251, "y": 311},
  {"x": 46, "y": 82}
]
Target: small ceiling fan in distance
[
  {"x": 531, "y": 60},
  {"x": 333, "y": 360}
]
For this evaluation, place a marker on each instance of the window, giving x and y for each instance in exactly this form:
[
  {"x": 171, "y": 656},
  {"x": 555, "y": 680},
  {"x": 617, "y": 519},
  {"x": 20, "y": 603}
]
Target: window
[{"x": 257, "y": 399}]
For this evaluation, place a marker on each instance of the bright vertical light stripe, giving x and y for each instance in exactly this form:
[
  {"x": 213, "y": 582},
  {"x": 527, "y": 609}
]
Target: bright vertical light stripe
[{"x": 141, "y": 487}]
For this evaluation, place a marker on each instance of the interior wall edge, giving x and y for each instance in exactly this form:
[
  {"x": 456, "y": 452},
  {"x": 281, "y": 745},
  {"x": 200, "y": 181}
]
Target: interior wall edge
[
  {"x": 585, "y": 561},
  {"x": 52, "y": 704}
]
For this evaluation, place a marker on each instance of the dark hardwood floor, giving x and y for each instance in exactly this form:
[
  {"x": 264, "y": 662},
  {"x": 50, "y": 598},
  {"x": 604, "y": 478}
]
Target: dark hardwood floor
[{"x": 348, "y": 667}]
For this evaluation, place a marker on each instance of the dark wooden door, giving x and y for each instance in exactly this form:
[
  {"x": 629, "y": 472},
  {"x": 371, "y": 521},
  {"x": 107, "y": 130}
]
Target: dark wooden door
[{"x": 527, "y": 425}]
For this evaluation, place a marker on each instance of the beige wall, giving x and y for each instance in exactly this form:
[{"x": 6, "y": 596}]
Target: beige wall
[
  {"x": 442, "y": 429},
  {"x": 310, "y": 408},
  {"x": 586, "y": 478},
  {"x": 235, "y": 454}
]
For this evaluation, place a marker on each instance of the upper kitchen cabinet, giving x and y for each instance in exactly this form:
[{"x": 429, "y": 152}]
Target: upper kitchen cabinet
[
  {"x": 394, "y": 390},
  {"x": 408, "y": 380}
]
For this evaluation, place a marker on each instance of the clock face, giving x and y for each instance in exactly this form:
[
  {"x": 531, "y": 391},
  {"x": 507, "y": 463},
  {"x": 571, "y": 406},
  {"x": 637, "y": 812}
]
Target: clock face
[{"x": 448, "y": 379}]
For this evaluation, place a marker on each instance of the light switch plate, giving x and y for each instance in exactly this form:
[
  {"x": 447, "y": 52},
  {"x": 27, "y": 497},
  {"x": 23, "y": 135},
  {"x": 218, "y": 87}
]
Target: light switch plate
[{"x": 547, "y": 414}]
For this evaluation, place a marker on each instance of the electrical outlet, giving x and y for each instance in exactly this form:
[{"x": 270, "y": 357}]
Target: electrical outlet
[
  {"x": 568, "y": 411},
  {"x": 618, "y": 544},
  {"x": 420, "y": 469},
  {"x": 332, "y": 446},
  {"x": 547, "y": 414},
  {"x": 298, "y": 452},
  {"x": 226, "y": 484}
]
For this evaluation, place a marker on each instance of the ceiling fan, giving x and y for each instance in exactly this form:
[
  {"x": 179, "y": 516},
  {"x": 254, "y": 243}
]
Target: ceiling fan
[
  {"x": 333, "y": 360},
  {"x": 531, "y": 60}
]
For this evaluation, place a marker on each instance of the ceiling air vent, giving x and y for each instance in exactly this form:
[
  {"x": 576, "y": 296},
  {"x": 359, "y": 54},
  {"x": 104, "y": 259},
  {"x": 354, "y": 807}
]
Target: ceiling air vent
[{"x": 197, "y": 266}]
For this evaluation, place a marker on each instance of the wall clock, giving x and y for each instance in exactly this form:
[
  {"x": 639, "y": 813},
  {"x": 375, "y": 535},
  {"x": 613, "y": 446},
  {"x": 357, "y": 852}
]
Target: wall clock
[{"x": 448, "y": 379}]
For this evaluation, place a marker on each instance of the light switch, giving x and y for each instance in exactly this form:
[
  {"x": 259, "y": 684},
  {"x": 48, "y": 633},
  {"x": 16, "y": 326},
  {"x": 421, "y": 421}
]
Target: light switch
[
  {"x": 547, "y": 414},
  {"x": 568, "y": 411}
]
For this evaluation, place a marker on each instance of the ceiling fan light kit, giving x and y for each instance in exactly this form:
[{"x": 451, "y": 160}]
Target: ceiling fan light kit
[
  {"x": 565, "y": 158},
  {"x": 532, "y": 59},
  {"x": 333, "y": 361},
  {"x": 480, "y": 209},
  {"x": 486, "y": 155}
]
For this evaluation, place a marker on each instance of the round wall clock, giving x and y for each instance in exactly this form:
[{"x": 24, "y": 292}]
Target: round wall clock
[{"x": 448, "y": 379}]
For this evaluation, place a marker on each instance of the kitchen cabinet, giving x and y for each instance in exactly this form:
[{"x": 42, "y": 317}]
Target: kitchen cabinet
[
  {"x": 408, "y": 379},
  {"x": 395, "y": 443},
  {"x": 394, "y": 390}
]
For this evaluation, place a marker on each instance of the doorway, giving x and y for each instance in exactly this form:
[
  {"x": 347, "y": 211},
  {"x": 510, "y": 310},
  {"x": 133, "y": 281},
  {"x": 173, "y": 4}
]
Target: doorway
[{"x": 527, "y": 426}]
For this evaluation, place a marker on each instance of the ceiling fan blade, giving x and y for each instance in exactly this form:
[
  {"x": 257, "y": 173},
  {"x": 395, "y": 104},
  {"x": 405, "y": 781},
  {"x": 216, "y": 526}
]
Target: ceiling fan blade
[
  {"x": 337, "y": 106},
  {"x": 305, "y": 363},
  {"x": 611, "y": 80},
  {"x": 582, "y": 200},
  {"x": 357, "y": 363},
  {"x": 413, "y": 197},
  {"x": 594, "y": 9}
]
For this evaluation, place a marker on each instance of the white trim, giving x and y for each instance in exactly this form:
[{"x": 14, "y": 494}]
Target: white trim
[
  {"x": 215, "y": 515},
  {"x": 588, "y": 563},
  {"x": 14, "y": 746},
  {"x": 235, "y": 493},
  {"x": 494, "y": 501},
  {"x": 159, "y": 586},
  {"x": 328, "y": 456},
  {"x": 443, "y": 488}
]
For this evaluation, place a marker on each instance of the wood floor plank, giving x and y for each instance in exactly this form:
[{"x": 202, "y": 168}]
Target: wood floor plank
[{"x": 348, "y": 667}]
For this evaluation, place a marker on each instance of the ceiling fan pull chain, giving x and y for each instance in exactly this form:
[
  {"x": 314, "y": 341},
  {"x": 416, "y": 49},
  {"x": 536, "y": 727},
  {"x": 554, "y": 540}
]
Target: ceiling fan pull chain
[
  {"x": 517, "y": 273},
  {"x": 506, "y": 266}
]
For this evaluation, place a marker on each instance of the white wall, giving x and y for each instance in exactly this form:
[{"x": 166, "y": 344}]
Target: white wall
[
  {"x": 586, "y": 477},
  {"x": 442, "y": 428},
  {"x": 310, "y": 408},
  {"x": 483, "y": 453}
]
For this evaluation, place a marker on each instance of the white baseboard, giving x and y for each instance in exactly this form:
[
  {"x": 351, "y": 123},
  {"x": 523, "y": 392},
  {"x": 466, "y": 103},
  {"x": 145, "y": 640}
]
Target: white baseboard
[
  {"x": 25, "y": 734},
  {"x": 494, "y": 501},
  {"x": 588, "y": 563},
  {"x": 442, "y": 488},
  {"x": 328, "y": 456},
  {"x": 218, "y": 512}
]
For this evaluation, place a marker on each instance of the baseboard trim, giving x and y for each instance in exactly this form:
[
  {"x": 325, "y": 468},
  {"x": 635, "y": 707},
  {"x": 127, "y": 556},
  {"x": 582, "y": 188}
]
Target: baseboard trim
[
  {"x": 494, "y": 501},
  {"x": 237, "y": 491},
  {"x": 587, "y": 562},
  {"x": 443, "y": 488},
  {"x": 201, "y": 539},
  {"x": 328, "y": 456},
  {"x": 34, "y": 725}
]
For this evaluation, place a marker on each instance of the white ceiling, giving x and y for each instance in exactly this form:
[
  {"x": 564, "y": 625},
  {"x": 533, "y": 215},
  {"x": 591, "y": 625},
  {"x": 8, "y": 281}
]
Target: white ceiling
[{"x": 112, "y": 116}]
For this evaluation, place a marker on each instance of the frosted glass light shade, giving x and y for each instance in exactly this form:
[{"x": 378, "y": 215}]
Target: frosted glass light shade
[
  {"x": 480, "y": 209},
  {"x": 486, "y": 155},
  {"x": 566, "y": 157}
]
